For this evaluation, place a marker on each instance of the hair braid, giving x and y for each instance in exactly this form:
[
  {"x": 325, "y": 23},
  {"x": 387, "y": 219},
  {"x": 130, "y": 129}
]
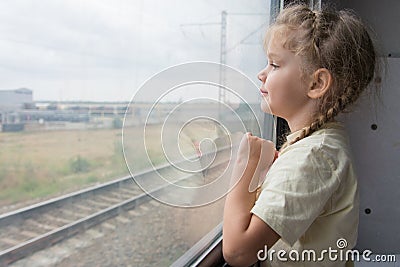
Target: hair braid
[
  {"x": 343, "y": 100},
  {"x": 314, "y": 36}
]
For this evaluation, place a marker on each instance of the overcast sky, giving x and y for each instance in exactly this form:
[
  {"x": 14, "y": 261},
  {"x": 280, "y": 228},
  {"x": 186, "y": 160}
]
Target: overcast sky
[{"x": 101, "y": 50}]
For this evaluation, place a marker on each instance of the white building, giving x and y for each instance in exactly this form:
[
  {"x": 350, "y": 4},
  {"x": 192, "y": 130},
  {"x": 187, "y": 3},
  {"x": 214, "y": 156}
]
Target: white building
[{"x": 14, "y": 100}]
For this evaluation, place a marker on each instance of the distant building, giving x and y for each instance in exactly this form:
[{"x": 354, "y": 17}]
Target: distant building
[{"x": 14, "y": 100}]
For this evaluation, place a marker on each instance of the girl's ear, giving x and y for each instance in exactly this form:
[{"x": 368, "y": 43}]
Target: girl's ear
[{"x": 321, "y": 82}]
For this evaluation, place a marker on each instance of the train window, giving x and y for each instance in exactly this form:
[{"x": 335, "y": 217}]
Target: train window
[{"x": 118, "y": 121}]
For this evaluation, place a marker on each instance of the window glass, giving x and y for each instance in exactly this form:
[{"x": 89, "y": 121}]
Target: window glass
[{"x": 91, "y": 92}]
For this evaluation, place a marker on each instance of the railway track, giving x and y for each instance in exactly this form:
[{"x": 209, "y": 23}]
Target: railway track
[{"x": 33, "y": 228}]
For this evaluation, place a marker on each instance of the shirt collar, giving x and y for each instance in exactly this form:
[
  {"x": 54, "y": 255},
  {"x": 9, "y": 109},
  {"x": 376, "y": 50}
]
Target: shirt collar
[{"x": 292, "y": 136}]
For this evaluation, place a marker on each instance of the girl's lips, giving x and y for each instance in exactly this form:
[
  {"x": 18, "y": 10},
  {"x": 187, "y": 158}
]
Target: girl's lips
[{"x": 263, "y": 92}]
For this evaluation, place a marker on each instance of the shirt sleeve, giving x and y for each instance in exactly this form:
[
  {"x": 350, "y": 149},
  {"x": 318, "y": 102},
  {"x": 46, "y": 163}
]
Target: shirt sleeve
[{"x": 295, "y": 191}]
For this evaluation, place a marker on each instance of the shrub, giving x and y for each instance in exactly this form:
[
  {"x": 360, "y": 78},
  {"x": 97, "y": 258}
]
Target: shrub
[{"x": 79, "y": 164}]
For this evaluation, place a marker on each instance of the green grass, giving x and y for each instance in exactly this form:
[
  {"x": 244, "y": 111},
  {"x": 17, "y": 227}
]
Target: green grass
[
  {"x": 37, "y": 165},
  {"x": 40, "y": 165}
]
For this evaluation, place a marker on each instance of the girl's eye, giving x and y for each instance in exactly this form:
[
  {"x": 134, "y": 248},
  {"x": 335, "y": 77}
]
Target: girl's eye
[{"x": 274, "y": 66}]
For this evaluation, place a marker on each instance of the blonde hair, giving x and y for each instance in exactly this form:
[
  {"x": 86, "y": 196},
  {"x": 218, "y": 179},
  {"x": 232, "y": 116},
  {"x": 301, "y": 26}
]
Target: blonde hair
[{"x": 335, "y": 40}]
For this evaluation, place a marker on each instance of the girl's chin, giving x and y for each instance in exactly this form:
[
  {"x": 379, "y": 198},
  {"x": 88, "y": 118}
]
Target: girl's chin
[{"x": 265, "y": 107}]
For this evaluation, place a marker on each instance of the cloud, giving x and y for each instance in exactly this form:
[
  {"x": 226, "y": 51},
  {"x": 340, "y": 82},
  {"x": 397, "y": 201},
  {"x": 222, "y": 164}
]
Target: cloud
[{"x": 103, "y": 50}]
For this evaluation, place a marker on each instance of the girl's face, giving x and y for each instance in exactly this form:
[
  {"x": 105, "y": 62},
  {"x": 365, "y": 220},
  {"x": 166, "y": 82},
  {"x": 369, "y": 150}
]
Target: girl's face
[{"x": 283, "y": 88}]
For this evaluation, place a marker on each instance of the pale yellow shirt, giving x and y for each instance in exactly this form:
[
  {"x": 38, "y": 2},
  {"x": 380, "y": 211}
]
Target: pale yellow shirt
[{"x": 310, "y": 197}]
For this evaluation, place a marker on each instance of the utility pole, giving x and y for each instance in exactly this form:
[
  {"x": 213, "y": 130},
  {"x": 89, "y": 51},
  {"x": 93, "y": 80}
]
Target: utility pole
[{"x": 222, "y": 61}]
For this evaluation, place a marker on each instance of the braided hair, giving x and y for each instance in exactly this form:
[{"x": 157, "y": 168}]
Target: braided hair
[{"x": 337, "y": 41}]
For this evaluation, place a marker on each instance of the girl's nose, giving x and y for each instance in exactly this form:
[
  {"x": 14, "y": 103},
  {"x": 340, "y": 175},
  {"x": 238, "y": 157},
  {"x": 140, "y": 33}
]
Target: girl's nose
[{"x": 262, "y": 75}]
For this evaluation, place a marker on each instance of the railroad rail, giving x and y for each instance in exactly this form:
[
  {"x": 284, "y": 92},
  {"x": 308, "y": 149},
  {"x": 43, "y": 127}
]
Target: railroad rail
[{"x": 39, "y": 226}]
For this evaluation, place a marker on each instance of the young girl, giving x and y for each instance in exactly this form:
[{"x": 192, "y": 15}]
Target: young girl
[{"x": 319, "y": 62}]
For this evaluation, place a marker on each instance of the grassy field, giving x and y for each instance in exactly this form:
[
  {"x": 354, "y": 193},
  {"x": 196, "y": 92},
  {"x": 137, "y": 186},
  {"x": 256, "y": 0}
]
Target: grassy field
[{"x": 40, "y": 165}]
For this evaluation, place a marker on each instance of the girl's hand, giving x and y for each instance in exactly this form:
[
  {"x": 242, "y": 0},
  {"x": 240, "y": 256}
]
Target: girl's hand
[
  {"x": 245, "y": 233},
  {"x": 257, "y": 153}
]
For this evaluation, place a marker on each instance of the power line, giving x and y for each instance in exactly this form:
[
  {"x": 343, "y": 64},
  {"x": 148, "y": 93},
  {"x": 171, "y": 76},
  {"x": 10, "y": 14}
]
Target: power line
[
  {"x": 248, "y": 14},
  {"x": 246, "y": 37},
  {"x": 200, "y": 24}
]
